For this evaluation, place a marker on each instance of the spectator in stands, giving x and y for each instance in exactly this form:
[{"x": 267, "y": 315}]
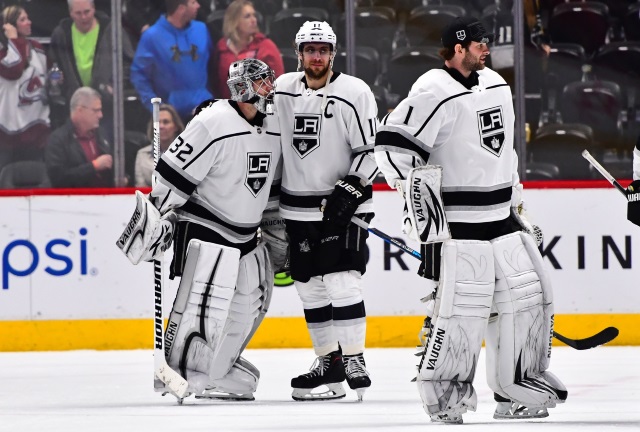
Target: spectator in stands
[
  {"x": 139, "y": 15},
  {"x": 172, "y": 59},
  {"x": 242, "y": 39},
  {"x": 24, "y": 119},
  {"x": 170, "y": 127},
  {"x": 81, "y": 46},
  {"x": 77, "y": 154}
]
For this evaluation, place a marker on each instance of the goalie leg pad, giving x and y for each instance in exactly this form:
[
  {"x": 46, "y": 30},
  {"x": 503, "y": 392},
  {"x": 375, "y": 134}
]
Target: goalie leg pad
[
  {"x": 463, "y": 303},
  {"x": 221, "y": 300},
  {"x": 519, "y": 336}
]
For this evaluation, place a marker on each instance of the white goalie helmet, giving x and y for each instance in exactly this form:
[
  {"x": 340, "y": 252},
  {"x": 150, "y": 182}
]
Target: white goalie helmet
[{"x": 243, "y": 74}]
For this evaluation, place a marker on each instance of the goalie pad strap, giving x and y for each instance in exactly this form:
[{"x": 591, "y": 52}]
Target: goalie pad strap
[{"x": 463, "y": 304}]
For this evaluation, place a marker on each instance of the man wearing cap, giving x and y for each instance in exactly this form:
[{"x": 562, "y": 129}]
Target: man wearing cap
[{"x": 449, "y": 146}]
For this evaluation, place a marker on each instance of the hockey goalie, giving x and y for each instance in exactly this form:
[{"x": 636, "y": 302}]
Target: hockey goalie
[
  {"x": 214, "y": 185},
  {"x": 448, "y": 148}
]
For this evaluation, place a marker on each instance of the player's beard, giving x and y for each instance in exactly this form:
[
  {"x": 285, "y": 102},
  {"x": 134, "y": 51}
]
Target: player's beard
[
  {"x": 471, "y": 63},
  {"x": 311, "y": 73}
]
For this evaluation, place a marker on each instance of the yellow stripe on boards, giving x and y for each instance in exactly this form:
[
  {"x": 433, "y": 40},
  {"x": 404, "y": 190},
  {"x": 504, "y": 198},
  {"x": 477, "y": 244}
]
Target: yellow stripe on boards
[{"x": 387, "y": 331}]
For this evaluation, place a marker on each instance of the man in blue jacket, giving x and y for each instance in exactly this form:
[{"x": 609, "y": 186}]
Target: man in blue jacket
[{"x": 172, "y": 59}]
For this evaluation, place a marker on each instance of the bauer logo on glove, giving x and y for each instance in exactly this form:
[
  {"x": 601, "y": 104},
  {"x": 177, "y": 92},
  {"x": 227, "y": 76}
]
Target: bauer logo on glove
[{"x": 147, "y": 234}]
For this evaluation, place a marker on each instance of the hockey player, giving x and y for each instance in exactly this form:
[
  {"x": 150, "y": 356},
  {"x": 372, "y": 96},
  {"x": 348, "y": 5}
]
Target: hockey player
[
  {"x": 456, "y": 126},
  {"x": 328, "y": 122},
  {"x": 213, "y": 185}
]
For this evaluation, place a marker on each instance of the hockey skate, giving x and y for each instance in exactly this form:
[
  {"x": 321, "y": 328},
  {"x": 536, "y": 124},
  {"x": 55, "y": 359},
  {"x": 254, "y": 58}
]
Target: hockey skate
[
  {"x": 508, "y": 409},
  {"x": 357, "y": 375},
  {"x": 451, "y": 418},
  {"x": 326, "y": 371},
  {"x": 214, "y": 393}
]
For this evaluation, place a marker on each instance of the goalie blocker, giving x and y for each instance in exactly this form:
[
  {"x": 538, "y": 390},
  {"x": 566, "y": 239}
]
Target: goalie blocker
[
  {"x": 425, "y": 220},
  {"x": 147, "y": 234},
  {"x": 220, "y": 303}
]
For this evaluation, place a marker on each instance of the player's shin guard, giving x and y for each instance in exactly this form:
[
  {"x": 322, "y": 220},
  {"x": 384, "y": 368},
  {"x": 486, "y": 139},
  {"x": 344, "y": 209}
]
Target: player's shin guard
[
  {"x": 220, "y": 302},
  {"x": 318, "y": 314},
  {"x": 519, "y": 336},
  {"x": 463, "y": 303}
]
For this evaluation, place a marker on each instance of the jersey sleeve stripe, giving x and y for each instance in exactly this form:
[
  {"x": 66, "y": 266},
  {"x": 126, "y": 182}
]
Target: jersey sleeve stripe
[
  {"x": 393, "y": 165},
  {"x": 212, "y": 143},
  {"x": 392, "y": 140},
  {"x": 174, "y": 179},
  {"x": 363, "y": 149},
  {"x": 436, "y": 109}
]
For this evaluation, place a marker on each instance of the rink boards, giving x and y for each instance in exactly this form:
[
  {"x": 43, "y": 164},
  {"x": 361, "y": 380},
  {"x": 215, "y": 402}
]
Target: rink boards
[{"x": 65, "y": 285}]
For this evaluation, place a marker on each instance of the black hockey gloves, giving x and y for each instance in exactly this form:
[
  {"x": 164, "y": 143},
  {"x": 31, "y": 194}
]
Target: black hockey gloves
[
  {"x": 633, "y": 202},
  {"x": 341, "y": 205}
]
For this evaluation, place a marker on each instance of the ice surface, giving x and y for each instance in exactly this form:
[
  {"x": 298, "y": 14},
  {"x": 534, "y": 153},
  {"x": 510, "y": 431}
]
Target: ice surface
[{"x": 113, "y": 391}]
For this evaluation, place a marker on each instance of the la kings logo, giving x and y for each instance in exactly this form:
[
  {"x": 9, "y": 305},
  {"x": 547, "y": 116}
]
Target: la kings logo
[
  {"x": 306, "y": 133},
  {"x": 257, "y": 171},
  {"x": 491, "y": 125}
]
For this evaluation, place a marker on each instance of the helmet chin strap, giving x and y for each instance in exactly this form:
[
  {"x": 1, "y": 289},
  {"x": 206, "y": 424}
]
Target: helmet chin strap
[{"x": 326, "y": 85}]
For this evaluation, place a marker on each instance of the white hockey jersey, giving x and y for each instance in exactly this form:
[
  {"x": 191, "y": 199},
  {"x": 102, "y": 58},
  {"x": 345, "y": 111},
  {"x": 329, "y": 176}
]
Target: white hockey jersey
[
  {"x": 319, "y": 147},
  {"x": 467, "y": 132},
  {"x": 222, "y": 172}
]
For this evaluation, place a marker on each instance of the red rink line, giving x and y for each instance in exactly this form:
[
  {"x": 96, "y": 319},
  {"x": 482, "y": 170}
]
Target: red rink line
[{"x": 557, "y": 184}]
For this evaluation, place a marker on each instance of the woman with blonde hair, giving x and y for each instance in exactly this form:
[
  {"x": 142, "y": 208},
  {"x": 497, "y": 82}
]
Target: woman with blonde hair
[
  {"x": 170, "y": 127},
  {"x": 242, "y": 39},
  {"x": 24, "y": 110}
]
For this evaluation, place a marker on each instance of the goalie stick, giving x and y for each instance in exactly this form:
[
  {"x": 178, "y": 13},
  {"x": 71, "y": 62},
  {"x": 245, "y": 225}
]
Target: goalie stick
[
  {"x": 600, "y": 338},
  {"x": 171, "y": 378}
]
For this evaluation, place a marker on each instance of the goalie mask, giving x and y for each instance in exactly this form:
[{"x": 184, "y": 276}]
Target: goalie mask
[
  {"x": 252, "y": 81},
  {"x": 315, "y": 32}
]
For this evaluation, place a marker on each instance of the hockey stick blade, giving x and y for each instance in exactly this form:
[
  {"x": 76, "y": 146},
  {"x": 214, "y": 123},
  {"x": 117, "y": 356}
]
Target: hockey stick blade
[
  {"x": 604, "y": 337},
  {"x": 601, "y": 338}
]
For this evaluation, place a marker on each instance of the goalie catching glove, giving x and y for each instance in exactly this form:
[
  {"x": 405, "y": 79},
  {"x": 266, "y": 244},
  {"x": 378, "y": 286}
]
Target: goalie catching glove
[
  {"x": 147, "y": 234},
  {"x": 343, "y": 202}
]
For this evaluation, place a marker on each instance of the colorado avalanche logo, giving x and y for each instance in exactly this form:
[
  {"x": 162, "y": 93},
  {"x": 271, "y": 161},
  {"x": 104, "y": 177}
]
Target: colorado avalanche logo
[
  {"x": 257, "y": 171},
  {"x": 31, "y": 90}
]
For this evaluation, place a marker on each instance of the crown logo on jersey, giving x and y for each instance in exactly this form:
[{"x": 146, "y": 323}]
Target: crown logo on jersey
[
  {"x": 303, "y": 146},
  {"x": 258, "y": 165},
  {"x": 491, "y": 129},
  {"x": 304, "y": 246}
]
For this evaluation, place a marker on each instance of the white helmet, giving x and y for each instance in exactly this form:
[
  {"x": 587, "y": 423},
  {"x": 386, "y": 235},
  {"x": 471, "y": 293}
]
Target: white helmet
[
  {"x": 316, "y": 32},
  {"x": 242, "y": 75}
]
